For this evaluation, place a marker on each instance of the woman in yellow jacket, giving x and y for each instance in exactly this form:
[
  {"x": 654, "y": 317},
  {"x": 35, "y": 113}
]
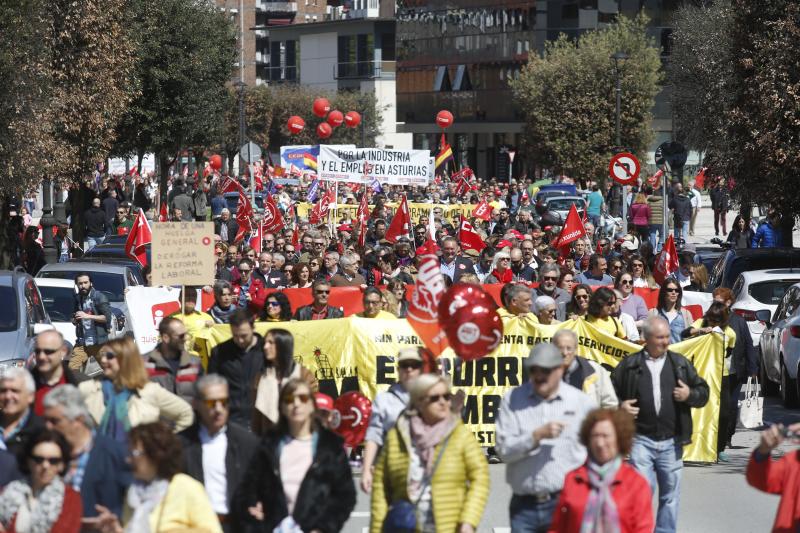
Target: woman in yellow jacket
[
  {"x": 160, "y": 498},
  {"x": 433, "y": 461},
  {"x": 124, "y": 398}
]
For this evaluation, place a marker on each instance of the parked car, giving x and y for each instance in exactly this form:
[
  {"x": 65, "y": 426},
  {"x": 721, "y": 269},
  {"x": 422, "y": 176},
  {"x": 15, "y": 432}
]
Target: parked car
[
  {"x": 733, "y": 262},
  {"x": 761, "y": 289},
  {"x": 109, "y": 278},
  {"x": 563, "y": 204},
  {"x": 780, "y": 346},
  {"x": 232, "y": 199},
  {"x": 22, "y": 316},
  {"x": 115, "y": 254}
]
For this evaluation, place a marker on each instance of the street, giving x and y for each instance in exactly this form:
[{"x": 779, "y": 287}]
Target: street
[{"x": 714, "y": 498}]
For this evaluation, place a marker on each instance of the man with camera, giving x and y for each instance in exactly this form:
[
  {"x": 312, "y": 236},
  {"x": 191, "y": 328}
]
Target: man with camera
[{"x": 778, "y": 476}]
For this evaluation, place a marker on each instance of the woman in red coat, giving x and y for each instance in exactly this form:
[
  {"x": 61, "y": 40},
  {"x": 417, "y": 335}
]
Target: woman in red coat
[
  {"x": 42, "y": 502},
  {"x": 606, "y": 493}
]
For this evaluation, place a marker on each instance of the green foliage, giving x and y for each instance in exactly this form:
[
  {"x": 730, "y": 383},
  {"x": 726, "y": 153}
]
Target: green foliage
[{"x": 568, "y": 98}]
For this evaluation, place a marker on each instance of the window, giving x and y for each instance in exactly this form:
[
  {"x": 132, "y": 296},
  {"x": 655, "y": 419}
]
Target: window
[
  {"x": 441, "y": 83},
  {"x": 111, "y": 285},
  {"x": 33, "y": 302},
  {"x": 59, "y": 302},
  {"x": 462, "y": 81},
  {"x": 770, "y": 292},
  {"x": 9, "y": 313}
]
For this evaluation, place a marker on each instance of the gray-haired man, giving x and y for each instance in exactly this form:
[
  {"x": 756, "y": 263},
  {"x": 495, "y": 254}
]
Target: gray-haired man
[{"x": 549, "y": 273}]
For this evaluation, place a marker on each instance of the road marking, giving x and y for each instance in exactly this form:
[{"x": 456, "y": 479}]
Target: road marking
[
  {"x": 501, "y": 530},
  {"x": 359, "y": 514}
]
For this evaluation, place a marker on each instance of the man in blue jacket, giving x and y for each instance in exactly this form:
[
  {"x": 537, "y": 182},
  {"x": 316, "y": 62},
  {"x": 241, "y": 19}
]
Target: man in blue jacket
[
  {"x": 768, "y": 234},
  {"x": 97, "y": 469}
]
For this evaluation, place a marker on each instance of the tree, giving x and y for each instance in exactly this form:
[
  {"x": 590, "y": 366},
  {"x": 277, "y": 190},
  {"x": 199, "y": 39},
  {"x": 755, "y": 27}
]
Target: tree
[
  {"x": 568, "y": 101},
  {"x": 185, "y": 52}
]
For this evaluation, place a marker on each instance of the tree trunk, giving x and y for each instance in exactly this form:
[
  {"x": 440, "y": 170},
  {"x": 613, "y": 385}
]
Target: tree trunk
[{"x": 787, "y": 225}]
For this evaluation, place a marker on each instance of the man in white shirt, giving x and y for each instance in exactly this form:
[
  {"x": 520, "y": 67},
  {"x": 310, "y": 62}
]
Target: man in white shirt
[
  {"x": 697, "y": 203},
  {"x": 217, "y": 452}
]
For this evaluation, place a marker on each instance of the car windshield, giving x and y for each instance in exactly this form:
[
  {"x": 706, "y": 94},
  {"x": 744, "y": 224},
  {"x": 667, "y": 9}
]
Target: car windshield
[
  {"x": 9, "y": 312},
  {"x": 233, "y": 202},
  {"x": 760, "y": 262},
  {"x": 563, "y": 204},
  {"x": 112, "y": 285},
  {"x": 58, "y": 301},
  {"x": 770, "y": 292}
]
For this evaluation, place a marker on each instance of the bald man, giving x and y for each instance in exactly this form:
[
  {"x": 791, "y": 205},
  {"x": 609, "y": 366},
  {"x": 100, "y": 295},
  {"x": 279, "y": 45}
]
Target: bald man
[
  {"x": 96, "y": 224},
  {"x": 51, "y": 354}
]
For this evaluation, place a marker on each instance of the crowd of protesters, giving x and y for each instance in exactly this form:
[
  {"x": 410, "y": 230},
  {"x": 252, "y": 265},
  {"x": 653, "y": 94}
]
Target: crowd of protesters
[{"x": 159, "y": 442}]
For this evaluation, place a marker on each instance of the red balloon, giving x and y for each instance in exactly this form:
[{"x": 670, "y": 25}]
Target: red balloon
[
  {"x": 215, "y": 161},
  {"x": 351, "y": 417},
  {"x": 295, "y": 124},
  {"x": 321, "y": 107},
  {"x": 335, "y": 118},
  {"x": 444, "y": 118},
  {"x": 324, "y": 130},
  {"x": 469, "y": 317},
  {"x": 352, "y": 119}
]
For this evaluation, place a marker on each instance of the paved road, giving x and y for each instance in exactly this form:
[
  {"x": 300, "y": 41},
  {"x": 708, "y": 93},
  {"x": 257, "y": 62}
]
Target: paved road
[{"x": 714, "y": 498}]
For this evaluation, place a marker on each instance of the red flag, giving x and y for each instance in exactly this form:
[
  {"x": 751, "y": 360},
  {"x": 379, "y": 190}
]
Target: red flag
[
  {"x": 361, "y": 220},
  {"x": 207, "y": 170},
  {"x": 429, "y": 248},
  {"x": 483, "y": 210},
  {"x": 230, "y": 185},
  {"x": 163, "y": 215},
  {"x": 244, "y": 214},
  {"x": 572, "y": 231},
  {"x": 700, "y": 178},
  {"x": 138, "y": 237},
  {"x": 469, "y": 238},
  {"x": 655, "y": 180},
  {"x": 423, "y": 314},
  {"x": 666, "y": 261},
  {"x": 296, "y": 237},
  {"x": 320, "y": 210},
  {"x": 134, "y": 171},
  {"x": 401, "y": 223},
  {"x": 257, "y": 240},
  {"x": 273, "y": 220}
]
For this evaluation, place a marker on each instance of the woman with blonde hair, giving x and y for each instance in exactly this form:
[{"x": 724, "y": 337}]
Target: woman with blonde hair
[
  {"x": 389, "y": 302},
  {"x": 431, "y": 466},
  {"x": 699, "y": 278},
  {"x": 124, "y": 398}
]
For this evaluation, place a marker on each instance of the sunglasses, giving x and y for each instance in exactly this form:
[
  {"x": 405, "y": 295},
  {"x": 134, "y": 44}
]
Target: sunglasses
[
  {"x": 304, "y": 398},
  {"x": 626, "y": 282},
  {"x": 107, "y": 354},
  {"x": 410, "y": 365},
  {"x": 581, "y": 296},
  {"x": 550, "y": 278},
  {"x": 46, "y": 351},
  {"x": 244, "y": 270},
  {"x": 550, "y": 311},
  {"x": 670, "y": 289},
  {"x": 322, "y": 292},
  {"x": 121, "y": 212},
  {"x": 40, "y": 459},
  {"x": 433, "y": 398},
  {"x": 213, "y": 403}
]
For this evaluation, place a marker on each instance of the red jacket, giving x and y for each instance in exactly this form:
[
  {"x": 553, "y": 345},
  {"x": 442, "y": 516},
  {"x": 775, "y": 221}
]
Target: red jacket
[
  {"x": 630, "y": 491},
  {"x": 69, "y": 520},
  {"x": 258, "y": 294},
  {"x": 782, "y": 477}
]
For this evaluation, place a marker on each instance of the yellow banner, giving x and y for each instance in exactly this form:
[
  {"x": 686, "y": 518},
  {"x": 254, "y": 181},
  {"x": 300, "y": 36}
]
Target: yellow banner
[
  {"x": 449, "y": 212},
  {"x": 354, "y": 353}
]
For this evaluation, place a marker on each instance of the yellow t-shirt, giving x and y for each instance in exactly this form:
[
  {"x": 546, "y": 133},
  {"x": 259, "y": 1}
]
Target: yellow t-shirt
[
  {"x": 194, "y": 322},
  {"x": 381, "y": 314},
  {"x": 729, "y": 340},
  {"x": 612, "y": 326}
]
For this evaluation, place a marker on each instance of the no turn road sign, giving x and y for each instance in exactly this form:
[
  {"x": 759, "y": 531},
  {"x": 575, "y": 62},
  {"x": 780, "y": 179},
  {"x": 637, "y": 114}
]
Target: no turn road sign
[{"x": 624, "y": 168}]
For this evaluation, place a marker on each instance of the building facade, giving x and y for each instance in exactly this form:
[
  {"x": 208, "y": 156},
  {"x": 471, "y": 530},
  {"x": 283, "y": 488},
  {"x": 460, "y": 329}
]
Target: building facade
[{"x": 460, "y": 54}]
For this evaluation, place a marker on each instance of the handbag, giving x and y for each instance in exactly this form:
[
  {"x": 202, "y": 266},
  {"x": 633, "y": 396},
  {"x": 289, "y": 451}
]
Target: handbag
[
  {"x": 751, "y": 408},
  {"x": 402, "y": 514}
]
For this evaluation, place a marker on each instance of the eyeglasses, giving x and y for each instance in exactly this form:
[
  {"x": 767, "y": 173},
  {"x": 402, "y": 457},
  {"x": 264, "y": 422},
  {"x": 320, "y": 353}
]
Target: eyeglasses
[
  {"x": 625, "y": 282},
  {"x": 550, "y": 311},
  {"x": 273, "y": 304},
  {"x": 289, "y": 400},
  {"x": 322, "y": 292},
  {"x": 372, "y": 302},
  {"x": 136, "y": 453},
  {"x": 319, "y": 244},
  {"x": 581, "y": 296},
  {"x": 433, "y": 398},
  {"x": 40, "y": 459},
  {"x": 46, "y": 351},
  {"x": 121, "y": 212},
  {"x": 244, "y": 271},
  {"x": 638, "y": 265},
  {"x": 213, "y": 403},
  {"x": 107, "y": 354},
  {"x": 410, "y": 365},
  {"x": 549, "y": 278},
  {"x": 671, "y": 289}
]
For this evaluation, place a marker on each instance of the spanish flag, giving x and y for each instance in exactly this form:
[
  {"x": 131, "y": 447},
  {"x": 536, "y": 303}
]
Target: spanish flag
[
  {"x": 310, "y": 161},
  {"x": 445, "y": 153}
]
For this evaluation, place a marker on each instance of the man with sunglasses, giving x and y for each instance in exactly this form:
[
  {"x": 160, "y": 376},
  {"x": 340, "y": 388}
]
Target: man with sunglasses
[
  {"x": 548, "y": 286},
  {"x": 169, "y": 364},
  {"x": 123, "y": 223},
  {"x": 387, "y": 408},
  {"x": 216, "y": 451},
  {"x": 50, "y": 354},
  {"x": 319, "y": 308},
  {"x": 537, "y": 437}
]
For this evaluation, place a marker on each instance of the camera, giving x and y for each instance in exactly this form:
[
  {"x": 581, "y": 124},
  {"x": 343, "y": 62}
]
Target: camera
[{"x": 788, "y": 434}]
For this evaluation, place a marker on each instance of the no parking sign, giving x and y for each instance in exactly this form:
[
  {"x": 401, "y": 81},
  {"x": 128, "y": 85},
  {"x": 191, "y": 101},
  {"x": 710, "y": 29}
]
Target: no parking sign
[{"x": 624, "y": 168}]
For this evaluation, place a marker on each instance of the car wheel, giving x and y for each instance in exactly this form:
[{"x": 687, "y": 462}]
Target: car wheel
[
  {"x": 768, "y": 387},
  {"x": 788, "y": 388}
]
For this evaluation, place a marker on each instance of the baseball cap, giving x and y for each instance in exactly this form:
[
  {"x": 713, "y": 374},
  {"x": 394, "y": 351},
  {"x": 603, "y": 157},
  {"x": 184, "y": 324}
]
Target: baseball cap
[
  {"x": 544, "y": 355},
  {"x": 504, "y": 244},
  {"x": 629, "y": 245},
  {"x": 323, "y": 401},
  {"x": 409, "y": 354},
  {"x": 516, "y": 234}
]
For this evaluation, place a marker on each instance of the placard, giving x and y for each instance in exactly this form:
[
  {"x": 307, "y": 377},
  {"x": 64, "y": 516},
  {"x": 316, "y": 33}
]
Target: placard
[
  {"x": 364, "y": 165},
  {"x": 183, "y": 253}
]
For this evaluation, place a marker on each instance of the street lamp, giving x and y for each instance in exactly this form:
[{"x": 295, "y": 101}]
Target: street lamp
[
  {"x": 240, "y": 86},
  {"x": 618, "y": 58}
]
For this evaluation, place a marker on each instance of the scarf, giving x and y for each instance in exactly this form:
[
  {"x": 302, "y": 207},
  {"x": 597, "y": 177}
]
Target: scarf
[
  {"x": 506, "y": 277},
  {"x": 222, "y": 314},
  {"x": 600, "y": 514},
  {"x": 17, "y": 502},
  {"x": 426, "y": 438},
  {"x": 142, "y": 499},
  {"x": 115, "y": 422},
  {"x": 268, "y": 392}
]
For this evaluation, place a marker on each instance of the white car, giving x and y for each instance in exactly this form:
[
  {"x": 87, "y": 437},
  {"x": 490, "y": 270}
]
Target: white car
[
  {"x": 761, "y": 289},
  {"x": 780, "y": 346},
  {"x": 57, "y": 297}
]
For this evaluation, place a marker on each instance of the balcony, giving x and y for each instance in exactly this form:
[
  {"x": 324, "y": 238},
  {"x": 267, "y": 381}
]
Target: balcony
[
  {"x": 287, "y": 74},
  {"x": 365, "y": 70},
  {"x": 489, "y": 105},
  {"x": 262, "y": 58},
  {"x": 263, "y": 6}
]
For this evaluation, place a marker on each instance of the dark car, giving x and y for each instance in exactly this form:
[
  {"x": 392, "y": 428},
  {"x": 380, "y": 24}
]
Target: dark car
[
  {"x": 232, "y": 199},
  {"x": 733, "y": 262},
  {"x": 115, "y": 254}
]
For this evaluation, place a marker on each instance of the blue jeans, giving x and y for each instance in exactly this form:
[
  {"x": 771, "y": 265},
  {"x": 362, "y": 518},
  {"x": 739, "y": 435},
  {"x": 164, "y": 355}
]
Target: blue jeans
[
  {"x": 681, "y": 230},
  {"x": 94, "y": 241},
  {"x": 661, "y": 463},
  {"x": 528, "y": 516}
]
